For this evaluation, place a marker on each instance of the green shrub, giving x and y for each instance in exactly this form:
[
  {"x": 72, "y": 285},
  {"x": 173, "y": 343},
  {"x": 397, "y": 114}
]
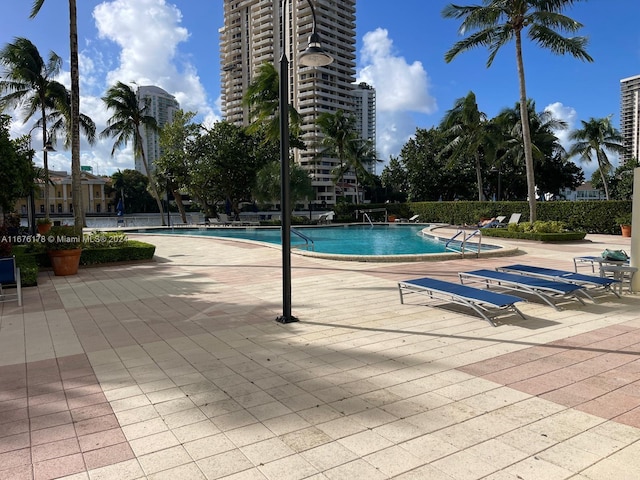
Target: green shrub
[
  {"x": 132, "y": 250},
  {"x": 28, "y": 267}
]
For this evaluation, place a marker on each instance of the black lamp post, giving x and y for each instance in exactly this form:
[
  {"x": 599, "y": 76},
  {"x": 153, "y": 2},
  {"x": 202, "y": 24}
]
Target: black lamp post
[{"x": 313, "y": 56}]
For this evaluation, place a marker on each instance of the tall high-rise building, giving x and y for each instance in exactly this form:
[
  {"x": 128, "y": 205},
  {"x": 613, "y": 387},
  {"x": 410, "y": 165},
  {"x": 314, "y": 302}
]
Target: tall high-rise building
[
  {"x": 251, "y": 36},
  {"x": 365, "y": 110},
  {"x": 161, "y": 106},
  {"x": 630, "y": 116}
]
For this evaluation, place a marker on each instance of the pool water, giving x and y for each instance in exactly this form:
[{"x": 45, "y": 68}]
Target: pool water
[{"x": 341, "y": 240}]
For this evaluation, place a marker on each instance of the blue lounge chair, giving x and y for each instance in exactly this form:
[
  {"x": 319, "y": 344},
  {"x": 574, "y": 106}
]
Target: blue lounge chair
[
  {"x": 486, "y": 304},
  {"x": 565, "y": 276},
  {"x": 545, "y": 290},
  {"x": 10, "y": 276}
]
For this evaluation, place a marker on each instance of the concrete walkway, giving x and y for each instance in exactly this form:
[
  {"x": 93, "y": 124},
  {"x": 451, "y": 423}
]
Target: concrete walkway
[{"x": 177, "y": 370}]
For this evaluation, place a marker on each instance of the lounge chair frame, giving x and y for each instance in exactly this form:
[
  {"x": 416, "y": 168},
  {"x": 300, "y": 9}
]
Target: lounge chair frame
[
  {"x": 487, "y": 304},
  {"x": 591, "y": 261},
  {"x": 545, "y": 290},
  {"x": 596, "y": 283}
]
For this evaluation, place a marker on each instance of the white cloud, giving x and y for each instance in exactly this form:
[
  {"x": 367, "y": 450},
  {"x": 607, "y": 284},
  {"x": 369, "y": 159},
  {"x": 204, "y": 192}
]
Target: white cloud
[
  {"x": 148, "y": 33},
  {"x": 566, "y": 114},
  {"x": 402, "y": 90}
]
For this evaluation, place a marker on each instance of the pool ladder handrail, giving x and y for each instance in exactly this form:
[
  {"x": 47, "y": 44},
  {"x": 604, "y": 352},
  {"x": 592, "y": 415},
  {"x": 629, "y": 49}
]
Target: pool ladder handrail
[
  {"x": 367, "y": 217},
  {"x": 463, "y": 243},
  {"x": 306, "y": 239}
]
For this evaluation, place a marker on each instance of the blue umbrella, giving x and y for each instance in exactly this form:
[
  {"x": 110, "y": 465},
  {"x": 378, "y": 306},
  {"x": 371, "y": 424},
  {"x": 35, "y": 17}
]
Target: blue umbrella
[{"x": 120, "y": 207}]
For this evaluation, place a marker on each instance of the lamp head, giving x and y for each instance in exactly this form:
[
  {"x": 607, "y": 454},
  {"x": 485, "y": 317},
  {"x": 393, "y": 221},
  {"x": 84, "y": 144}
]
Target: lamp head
[
  {"x": 48, "y": 147},
  {"x": 315, "y": 55}
]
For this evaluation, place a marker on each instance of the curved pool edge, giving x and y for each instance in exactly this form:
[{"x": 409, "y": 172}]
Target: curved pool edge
[{"x": 501, "y": 250}]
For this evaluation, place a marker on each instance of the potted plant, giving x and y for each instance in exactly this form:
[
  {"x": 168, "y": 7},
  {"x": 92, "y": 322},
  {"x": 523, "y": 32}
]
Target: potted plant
[
  {"x": 625, "y": 224},
  {"x": 64, "y": 247},
  {"x": 44, "y": 225}
]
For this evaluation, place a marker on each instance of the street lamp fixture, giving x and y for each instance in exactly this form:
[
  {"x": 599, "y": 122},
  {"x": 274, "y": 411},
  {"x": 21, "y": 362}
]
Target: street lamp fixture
[{"x": 313, "y": 56}]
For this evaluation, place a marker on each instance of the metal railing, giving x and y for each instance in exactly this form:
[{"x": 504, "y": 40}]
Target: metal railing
[
  {"x": 306, "y": 239},
  {"x": 461, "y": 245}
]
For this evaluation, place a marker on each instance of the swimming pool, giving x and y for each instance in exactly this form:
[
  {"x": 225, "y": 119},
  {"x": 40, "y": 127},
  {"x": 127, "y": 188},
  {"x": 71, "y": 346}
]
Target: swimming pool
[{"x": 346, "y": 240}]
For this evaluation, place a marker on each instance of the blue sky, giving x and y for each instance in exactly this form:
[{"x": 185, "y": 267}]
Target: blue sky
[{"x": 400, "y": 50}]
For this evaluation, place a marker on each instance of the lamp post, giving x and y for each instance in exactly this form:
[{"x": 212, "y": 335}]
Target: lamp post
[{"x": 313, "y": 56}]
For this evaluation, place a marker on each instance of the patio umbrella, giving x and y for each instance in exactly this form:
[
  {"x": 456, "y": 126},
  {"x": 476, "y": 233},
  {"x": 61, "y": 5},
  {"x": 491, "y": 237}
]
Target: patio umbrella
[{"x": 120, "y": 207}]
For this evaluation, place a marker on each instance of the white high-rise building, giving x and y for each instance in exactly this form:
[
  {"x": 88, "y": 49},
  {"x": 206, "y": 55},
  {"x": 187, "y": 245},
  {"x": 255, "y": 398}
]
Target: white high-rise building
[
  {"x": 251, "y": 36},
  {"x": 365, "y": 105},
  {"x": 161, "y": 106},
  {"x": 630, "y": 116}
]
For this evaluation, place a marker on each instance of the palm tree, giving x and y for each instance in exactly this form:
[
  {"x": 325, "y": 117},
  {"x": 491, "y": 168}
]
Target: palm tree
[
  {"x": 595, "y": 137},
  {"x": 467, "y": 126},
  {"x": 262, "y": 97},
  {"x": 125, "y": 124},
  {"x": 497, "y": 22},
  {"x": 28, "y": 83},
  {"x": 60, "y": 121},
  {"x": 78, "y": 210},
  {"x": 339, "y": 138}
]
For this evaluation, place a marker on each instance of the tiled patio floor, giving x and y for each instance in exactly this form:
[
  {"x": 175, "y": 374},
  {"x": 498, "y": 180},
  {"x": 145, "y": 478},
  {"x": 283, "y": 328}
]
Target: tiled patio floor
[{"x": 177, "y": 370}]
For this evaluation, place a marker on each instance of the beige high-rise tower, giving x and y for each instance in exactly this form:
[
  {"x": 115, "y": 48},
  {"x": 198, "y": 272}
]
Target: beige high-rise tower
[
  {"x": 630, "y": 116},
  {"x": 251, "y": 36}
]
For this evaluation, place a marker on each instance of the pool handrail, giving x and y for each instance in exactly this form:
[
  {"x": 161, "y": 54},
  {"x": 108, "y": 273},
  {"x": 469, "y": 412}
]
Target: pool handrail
[
  {"x": 305, "y": 238},
  {"x": 463, "y": 243}
]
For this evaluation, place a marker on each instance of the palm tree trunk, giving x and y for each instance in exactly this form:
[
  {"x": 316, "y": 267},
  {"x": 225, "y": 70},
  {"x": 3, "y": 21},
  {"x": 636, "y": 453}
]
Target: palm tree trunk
[
  {"x": 526, "y": 132},
  {"x": 45, "y": 155},
  {"x": 479, "y": 179},
  {"x": 76, "y": 179},
  {"x": 180, "y": 205},
  {"x": 152, "y": 181}
]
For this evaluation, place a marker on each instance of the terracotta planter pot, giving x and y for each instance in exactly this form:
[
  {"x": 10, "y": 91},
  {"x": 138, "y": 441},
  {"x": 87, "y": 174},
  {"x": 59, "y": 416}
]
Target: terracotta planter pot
[
  {"x": 626, "y": 230},
  {"x": 65, "y": 262},
  {"x": 43, "y": 228}
]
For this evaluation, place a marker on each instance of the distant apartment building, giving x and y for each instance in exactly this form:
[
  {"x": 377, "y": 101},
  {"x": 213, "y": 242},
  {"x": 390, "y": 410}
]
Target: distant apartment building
[
  {"x": 365, "y": 110},
  {"x": 161, "y": 106},
  {"x": 251, "y": 36},
  {"x": 630, "y": 116}
]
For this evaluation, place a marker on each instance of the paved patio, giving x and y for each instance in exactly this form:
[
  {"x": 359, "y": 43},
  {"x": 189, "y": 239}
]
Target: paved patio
[{"x": 176, "y": 369}]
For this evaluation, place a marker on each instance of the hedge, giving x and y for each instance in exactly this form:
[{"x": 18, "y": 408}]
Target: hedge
[{"x": 589, "y": 217}]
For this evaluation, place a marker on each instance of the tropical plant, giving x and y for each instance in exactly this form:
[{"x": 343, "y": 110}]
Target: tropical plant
[
  {"x": 339, "y": 140},
  {"x": 262, "y": 97},
  {"x": 15, "y": 167},
  {"x": 125, "y": 124},
  {"x": 596, "y": 136},
  {"x": 222, "y": 165},
  {"x": 28, "y": 83},
  {"x": 172, "y": 167},
  {"x": 466, "y": 126},
  {"x": 497, "y": 22},
  {"x": 267, "y": 189},
  {"x": 60, "y": 121},
  {"x": 78, "y": 210}
]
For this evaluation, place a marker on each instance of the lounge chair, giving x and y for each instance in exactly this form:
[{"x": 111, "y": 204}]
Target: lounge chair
[
  {"x": 10, "y": 276},
  {"x": 326, "y": 218},
  {"x": 485, "y": 303},
  {"x": 545, "y": 290},
  {"x": 492, "y": 223},
  {"x": 590, "y": 282},
  {"x": 513, "y": 220},
  {"x": 414, "y": 219}
]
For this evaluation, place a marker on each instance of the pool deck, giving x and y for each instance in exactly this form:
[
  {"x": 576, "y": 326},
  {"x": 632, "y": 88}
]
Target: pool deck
[{"x": 175, "y": 369}]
